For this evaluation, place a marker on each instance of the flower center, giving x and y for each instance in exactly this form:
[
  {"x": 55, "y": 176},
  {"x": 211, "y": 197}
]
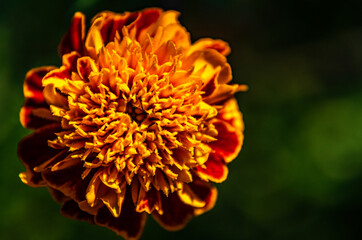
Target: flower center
[{"x": 135, "y": 111}]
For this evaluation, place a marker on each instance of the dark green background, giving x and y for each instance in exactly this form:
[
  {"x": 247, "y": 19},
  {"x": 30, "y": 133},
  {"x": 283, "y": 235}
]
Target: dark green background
[{"x": 299, "y": 173}]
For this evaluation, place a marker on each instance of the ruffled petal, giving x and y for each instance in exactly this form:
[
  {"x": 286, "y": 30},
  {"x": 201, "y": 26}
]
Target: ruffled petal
[
  {"x": 215, "y": 169},
  {"x": 110, "y": 195},
  {"x": 58, "y": 76},
  {"x": 74, "y": 38},
  {"x": 230, "y": 132},
  {"x": 34, "y": 99},
  {"x": 112, "y": 23},
  {"x": 176, "y": 214},
  {"x": 146, "y": 18},
  {"x": 190, "y": 197},
  {"x": 208, "y": 43},
  {"x": 205, "y": 191},
  {"x": 33, "y": 150},
  {"x": 230, "y": 113},
  {"x": 129, "y": 224},
  {"x": 33, "y": 84},
  {"x": 146, "y": 201}
]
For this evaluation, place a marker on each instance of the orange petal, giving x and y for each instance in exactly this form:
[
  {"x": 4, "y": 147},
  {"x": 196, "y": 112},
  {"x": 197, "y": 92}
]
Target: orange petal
[
  {"x": 207, "y": 63},
  {"x": 230, "y": 113},
  {"x": 129, "y": 224},
  {"x": 223, "y": 92},
  {"x": 175, "y": 215},
  {"x": 74, "y": 38},
  {"x": 31, "y": 156},
  {"x": 208, "y": 43},
  {"x": 167, "y": 28},
  {"x": 215, "y": 169}
]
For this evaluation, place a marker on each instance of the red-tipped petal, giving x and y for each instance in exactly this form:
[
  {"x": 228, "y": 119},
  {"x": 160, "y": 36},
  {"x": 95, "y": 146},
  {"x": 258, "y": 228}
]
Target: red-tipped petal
[
  {"x": 205, "y": 191},
  {"x": 230, "y": 128},
  {"x": 33, "y": 117},
  {"x": 33, "y": 84},
  {"x": 146, "y": 19},
  {"x": 33, "y": 93},
  {"x": 74, "y": 38},
  {"x": 59, "y": 75},
  {"x": 85, "y": 66},
  {"x": 175, "y": 215},
  {"x": 228, "y": 141},
  {"x": 215, "y": 169},
  {"x": 129, "y": 224},
  {"x": 33, "y": 150},
  {"x": 113, "y": 23}
]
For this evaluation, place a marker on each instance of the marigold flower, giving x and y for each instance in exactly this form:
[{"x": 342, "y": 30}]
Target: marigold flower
[{"x": 136, "y": 121}]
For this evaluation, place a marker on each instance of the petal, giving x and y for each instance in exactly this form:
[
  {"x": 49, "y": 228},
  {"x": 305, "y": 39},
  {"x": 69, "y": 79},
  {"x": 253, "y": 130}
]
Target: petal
[
  {"x": 208, "y": 43},
  {"x": 230, "y": 113},
  {"x": 94, "y": 41},
  {"x": 70, "y": 209},
  {"x": 111, "y": 197},
  {"x": 207, "y": 63},
  {"x": 205, "y": 191},
  {"x": 86, "y": 66},
  {"x": 112, "y": 23},
  {"x": 69, "y": 181},
  {"x": 146, "y": 19},
  {"x": 33, "y": 150},
  {"x": 33, "y": 84},
  {"x": 223, "y": 92},
  {"x": 167, "y": 28},
  {"x": 230, "y": 132},
  {"x": 175, "y": 215},
  {"x": 228, "y": 143},
  {"x": 189, "y": 197},
  {"x": 74, "y": 38},
  {"x": 113, "y": 200},
  {"x": 34, "y": 99},
  {"x": 129, "y": 224},
  {"x": 58, "y": 76},
  {"x": 146, "y": 201},
  {"x": 33, "y": 117},
  {"x": 215, "y": 169}
]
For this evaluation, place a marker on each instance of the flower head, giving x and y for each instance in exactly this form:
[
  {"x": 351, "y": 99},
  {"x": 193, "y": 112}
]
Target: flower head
[{"x": 136, "y": 121}]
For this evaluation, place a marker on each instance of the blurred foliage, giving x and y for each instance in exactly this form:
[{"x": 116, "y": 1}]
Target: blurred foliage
[{"x": 299, "y": 174}]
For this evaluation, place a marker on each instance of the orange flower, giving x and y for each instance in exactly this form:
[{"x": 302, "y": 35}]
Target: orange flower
[{"x": 136, "y": 121}]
